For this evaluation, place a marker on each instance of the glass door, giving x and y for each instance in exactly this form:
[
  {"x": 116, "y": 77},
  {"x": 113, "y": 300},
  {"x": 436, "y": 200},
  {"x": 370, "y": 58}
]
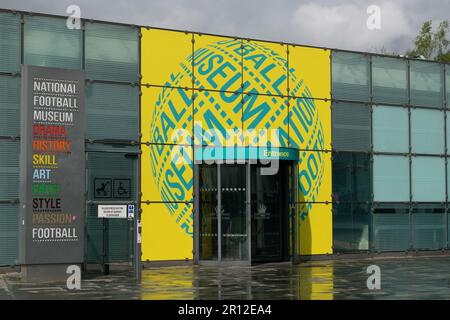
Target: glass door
[
  {"x": 222, "y": 211},
  {"x": 270, "y": 214},
  {"x": 234, "y": 233},
  {"x": 266, "y": 208},
  {"x": 294, "y": 223},
  {"x": 207, "y": 207}
]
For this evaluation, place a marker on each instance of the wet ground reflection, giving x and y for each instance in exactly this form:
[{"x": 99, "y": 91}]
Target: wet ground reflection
[{"x": 401, "y": 278}]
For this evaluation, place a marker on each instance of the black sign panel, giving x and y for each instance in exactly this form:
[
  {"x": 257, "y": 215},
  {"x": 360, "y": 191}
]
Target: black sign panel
[
  {"x": 102, "y": 188},
  {"x": 122, "y": 188},
  {"x": 52, "y": 166}
]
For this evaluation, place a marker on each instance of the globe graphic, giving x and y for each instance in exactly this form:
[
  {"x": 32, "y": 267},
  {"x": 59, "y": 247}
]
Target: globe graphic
[{"x": 224, "y": 110}]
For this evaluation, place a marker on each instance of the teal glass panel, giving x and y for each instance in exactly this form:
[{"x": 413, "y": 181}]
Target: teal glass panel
[
  {"x": 428, "y": 179},
  {"x": 390, "y": 129},
  {"x": 9, "y": 42},
  {"x": 350, "y": 76},
  {"x": 111, "y": 52},
  {"x": 120, "y": 240},
  {"x": 49, "y": 43},
  {"x": 447, "y": 84},
  {"x": 351, "y": 227},
  {"x": 112, "y": 111},
  {"x": 350, "y": 124},
  {"x": 389, "y": 80},
  {"x": 427, "y": 131},
  {"x": 428, "y": 227},
  {"x": 94, "y": 251},
  {"x": 9, "y": 169},
  {"x": 112, "y": 170},
  {"x": 427, "y": 84},
  {"x": 448, "y": 131},
  {"x": 448, "y": 178},
  {"x": 390, "y": 178},
  {"x": 9, "y": 234},
  {"x": 111, "y": 177},
  {"x": 9, "y": 106},
  {"x": 392, "y": 229},
  {"x": 111, "y": 147},
  {"x": 107, "y": 240},
  {"x": 352, "y": 177}
]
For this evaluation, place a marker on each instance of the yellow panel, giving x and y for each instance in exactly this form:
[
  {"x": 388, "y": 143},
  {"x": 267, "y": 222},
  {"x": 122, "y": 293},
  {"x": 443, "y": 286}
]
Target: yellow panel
[
  {"x": 314, "y": 176},
  {"x": 309, "y": 124},
  {"x": 214, "y": 114},
  {"x": 324, "y": 110},
  {"x": 163, "y": 236},
  {"x": 264, "y": 115},
  {"x": 316, "y": 228},
  {"x": 166, "y": 115},
  {"x": 265, "y": 67},
  {"x": 167, "y": 174},
  {"x": 309, "y": 70},
  {"x": 166, "y": 58},
  {"x": 217, "y": 63}
]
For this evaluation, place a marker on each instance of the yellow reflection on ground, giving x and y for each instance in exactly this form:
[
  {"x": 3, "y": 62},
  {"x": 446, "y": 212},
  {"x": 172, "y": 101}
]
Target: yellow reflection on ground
[
  {"x": 316, "y": 281},
  {"x": 169, "y": 283}
]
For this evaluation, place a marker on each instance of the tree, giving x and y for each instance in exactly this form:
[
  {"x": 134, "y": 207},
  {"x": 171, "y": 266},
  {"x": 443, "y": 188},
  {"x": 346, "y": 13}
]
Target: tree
[{"x": 432, "y": 45}]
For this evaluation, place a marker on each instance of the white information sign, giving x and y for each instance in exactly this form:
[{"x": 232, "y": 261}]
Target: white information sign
[{"x": 112, "y": 211}]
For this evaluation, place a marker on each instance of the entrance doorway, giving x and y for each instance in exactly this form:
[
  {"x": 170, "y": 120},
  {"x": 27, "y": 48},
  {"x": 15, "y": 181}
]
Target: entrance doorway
[{"x": 242, "y": 214}]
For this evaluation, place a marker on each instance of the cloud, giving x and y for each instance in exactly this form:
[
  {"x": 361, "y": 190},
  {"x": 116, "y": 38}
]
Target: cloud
[
  {"x": 328, "y": 23},
  {"x": 344, "y": 25}
]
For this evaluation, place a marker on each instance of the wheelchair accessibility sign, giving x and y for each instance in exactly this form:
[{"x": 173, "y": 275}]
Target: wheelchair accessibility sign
[
  {"x": 112, "y": 188},
  {"x": 122, "y": 188}
]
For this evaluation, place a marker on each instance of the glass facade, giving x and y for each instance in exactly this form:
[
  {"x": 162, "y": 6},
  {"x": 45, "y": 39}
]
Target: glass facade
[
  {"x": 111, "y": 52},
  {"x": 350, "y": 76},
  {"x": 408, "y": 148},
  {"x": 351, "y": 127},
  {"x": 49, "y": 43},
  {"x": 10, "y": 37},
  {"x": 427, "y": 84},
  {"x": 427, "y": 131},
  {"x": 390, "y": 178},
  {"x": 428, "y": 179},
  {"x": 112, "y": 111},
  {"x": 390, "y": 129},
  {"x": 371, "y": 133},
  {"x": 389, "y": 80}
]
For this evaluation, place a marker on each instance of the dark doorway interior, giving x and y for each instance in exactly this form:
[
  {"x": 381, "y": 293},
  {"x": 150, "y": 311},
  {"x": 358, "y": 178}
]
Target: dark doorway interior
[{"x": 269, "y": 214}]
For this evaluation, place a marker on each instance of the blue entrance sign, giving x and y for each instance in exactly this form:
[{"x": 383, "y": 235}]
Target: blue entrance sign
[{"x": 245, "y": 153}]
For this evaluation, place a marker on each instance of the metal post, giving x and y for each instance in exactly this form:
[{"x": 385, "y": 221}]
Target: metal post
[
  {"x": 196, "y": 213},
  {"x": 137, "y": 244},
  {"x": 138, "y": 228},
  {"x": 219, "y": 214},
  {"x": 248, "y": 211},
  {"x": 137, "y": 211}
]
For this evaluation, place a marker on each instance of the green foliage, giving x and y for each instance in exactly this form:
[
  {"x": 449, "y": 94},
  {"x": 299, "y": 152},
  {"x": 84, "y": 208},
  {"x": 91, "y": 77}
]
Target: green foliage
[{"x": 432, "y": 44}]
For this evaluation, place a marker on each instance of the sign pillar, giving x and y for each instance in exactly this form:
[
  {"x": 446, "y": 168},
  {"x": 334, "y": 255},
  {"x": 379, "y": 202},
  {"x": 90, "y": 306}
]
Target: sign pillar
[{"x": 52, "y": 177}]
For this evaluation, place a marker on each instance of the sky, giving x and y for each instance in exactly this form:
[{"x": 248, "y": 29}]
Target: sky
[{"x": 333, "y": 24}]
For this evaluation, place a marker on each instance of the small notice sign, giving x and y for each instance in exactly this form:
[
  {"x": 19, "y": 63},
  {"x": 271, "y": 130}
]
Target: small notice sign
[
  {"x": 130, "y": 211},
  {"x": 112, "y": 211}
]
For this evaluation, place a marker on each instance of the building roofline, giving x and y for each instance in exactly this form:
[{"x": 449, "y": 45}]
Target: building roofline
[{"x": 224, "y": 36}]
